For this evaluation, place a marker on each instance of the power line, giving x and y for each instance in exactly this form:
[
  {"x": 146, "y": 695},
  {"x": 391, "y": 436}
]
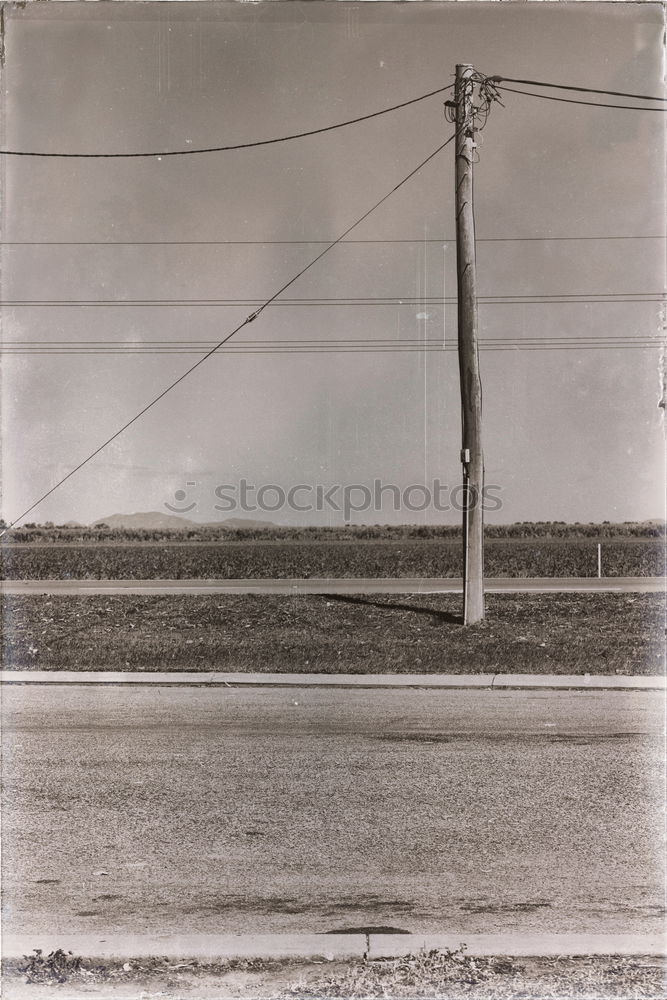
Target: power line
[
  {"x": 583, "y": 90},
  {"x": 440, "y": 349},
  {"x": 353, "y": 121},
  {"x": 246, "y": 321},
  {"x": 330, "y": 300},
  {"x": 312, "y": 340},
  {"x": 240, "y": 145},
  {"x": 176, "y": 346},
  {"x": 188, "y": 243},
  {"x": 394, "y": 301},
  {"x": 300, "y": 345},
  {"x": 573, "y": 100}
]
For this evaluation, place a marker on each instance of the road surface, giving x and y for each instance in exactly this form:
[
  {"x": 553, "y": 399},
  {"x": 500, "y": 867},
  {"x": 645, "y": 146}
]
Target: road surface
[
  {"x": 349, "y": 585},
  {"x": 197, "y": 810}
]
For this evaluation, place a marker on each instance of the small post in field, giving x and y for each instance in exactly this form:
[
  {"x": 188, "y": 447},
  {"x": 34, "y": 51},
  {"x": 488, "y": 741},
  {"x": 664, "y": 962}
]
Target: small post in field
[{"x": 599, "y": 560}]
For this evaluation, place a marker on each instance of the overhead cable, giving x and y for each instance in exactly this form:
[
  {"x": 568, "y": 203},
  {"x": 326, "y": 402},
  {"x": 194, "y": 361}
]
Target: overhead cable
[
  {"x": 129, "y": 344},
  {"x": 266, "y": 243},
  {"x": 239, "y": 145},
  {"x": 319, "y": 303},
  {"x": 439, "y": 348},
  {"x": 497, "y": 79},
  {"x": 573, "y": 100}
]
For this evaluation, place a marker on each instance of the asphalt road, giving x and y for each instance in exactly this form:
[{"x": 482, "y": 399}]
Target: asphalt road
[
  {"x": 133, "y": 810},
  {"x": 349, "y": 585}
]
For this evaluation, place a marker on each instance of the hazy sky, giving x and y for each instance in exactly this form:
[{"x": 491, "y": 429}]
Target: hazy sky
[{"x": 568, "y": 434}]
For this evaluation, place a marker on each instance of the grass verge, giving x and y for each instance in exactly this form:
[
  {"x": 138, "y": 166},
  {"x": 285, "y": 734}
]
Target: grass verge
[{"x": 523, "y": 633}]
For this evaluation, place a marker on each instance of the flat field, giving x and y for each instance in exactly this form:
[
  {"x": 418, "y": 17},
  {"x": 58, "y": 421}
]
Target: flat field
[
  {"x": 523, "y": 633},
  {"x": 284, "y": 558}
]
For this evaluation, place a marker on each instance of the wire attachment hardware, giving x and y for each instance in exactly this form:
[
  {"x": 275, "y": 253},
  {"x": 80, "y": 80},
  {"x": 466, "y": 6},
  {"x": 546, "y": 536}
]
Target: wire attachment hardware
[{"x": 482, "y": 101}]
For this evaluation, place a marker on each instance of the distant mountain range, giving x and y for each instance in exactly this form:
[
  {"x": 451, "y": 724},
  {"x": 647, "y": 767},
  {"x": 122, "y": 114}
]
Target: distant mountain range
[{"x": 154, "y": 520}]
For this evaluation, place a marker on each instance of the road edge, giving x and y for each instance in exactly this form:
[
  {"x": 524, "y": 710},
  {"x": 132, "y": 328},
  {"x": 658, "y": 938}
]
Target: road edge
[
  {"x": 217, "y": 947},
  {"x": 309, "y": 586},
  {"x": 579, "y": 682}
]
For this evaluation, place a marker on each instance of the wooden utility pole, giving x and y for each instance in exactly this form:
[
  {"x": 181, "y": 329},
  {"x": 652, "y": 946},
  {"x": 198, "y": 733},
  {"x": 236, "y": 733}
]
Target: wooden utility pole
[{"x": 472, "y": 457}]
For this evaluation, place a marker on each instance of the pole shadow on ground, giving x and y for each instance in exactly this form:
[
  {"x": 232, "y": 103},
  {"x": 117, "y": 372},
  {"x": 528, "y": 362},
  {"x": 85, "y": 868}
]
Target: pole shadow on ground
[{"x": 437, "y": 617}]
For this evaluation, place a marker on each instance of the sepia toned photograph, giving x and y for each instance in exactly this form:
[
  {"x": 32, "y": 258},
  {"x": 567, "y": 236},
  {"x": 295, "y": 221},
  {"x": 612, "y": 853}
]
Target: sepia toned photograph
[{"x": 332, "y": 394}]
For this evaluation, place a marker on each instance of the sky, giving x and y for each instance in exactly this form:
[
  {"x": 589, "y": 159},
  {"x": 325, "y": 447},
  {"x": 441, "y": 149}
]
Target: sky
[{"x": 571, "y": 434}]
